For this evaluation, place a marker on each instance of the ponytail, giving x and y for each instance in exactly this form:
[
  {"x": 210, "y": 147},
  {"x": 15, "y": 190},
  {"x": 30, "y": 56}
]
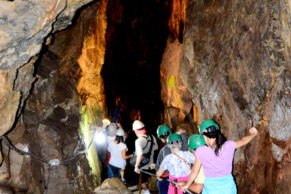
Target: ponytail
[
  {"x": 119, "y": 139},
  {"x": 219, "y": 137}
]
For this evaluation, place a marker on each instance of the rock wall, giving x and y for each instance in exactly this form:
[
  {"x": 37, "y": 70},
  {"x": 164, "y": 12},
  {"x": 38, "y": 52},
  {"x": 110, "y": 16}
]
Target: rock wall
[
  {"x": 24, "y": 28},
  {"x": 233, "y": 65},
  {"x": 50, "y": 123}
]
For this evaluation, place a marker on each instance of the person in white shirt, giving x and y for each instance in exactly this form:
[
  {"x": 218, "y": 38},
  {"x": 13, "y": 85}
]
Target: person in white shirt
[
  {"x": 117, "y": 149},
  {"x": 145, "y": 146}
]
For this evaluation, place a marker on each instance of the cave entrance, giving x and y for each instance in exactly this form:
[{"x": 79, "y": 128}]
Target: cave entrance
[
  {"x": 136, "y": 36},
  {"x": 80, "y": 81}
]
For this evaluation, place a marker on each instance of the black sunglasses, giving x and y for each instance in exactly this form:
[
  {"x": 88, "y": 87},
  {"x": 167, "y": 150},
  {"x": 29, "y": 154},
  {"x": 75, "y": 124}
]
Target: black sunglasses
[
  {"x": 209, "y": 129},
  {"x": 174, "y": 142},
  {"x": 165, "y": 135}
]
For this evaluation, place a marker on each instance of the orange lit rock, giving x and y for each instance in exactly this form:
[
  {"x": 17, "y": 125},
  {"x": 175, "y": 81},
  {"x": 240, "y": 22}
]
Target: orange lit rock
[
  {"x": 177, "y": 19},
  {"x": 9, "y": 102},
  {"x": 90, "y": 86},
  {"x": 174, "y": 94}
]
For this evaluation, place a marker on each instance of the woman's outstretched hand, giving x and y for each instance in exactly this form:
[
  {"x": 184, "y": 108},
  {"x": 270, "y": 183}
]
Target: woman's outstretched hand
[
  {"x": 253, "y": 131},
  {"x": 183, "y": 186},
  {"x": 246, "y": 139}
]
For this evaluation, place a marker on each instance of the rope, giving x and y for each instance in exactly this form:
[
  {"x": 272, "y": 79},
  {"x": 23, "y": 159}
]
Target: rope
[
  {"x": 48, "y": 179},
  {"x": 11, "y": 146},
  {"x": 171, "y": 181},
  {"x": 53, "y": 162}
]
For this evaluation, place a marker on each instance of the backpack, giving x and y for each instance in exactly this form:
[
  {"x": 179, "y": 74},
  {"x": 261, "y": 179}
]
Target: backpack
[{"x": 146, "y": 157}]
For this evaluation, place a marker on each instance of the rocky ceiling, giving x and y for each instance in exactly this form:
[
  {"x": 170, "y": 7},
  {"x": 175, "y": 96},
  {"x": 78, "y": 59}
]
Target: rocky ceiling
[{"x": 227, "y": 60}]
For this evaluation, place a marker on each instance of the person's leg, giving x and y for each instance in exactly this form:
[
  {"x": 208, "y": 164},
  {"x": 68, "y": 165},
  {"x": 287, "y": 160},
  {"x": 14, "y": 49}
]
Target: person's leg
[
  {"x": 145, "y": 188},
  {"x": 110, "y": 172},
  {"x": 116, "y": 171},
  {"x": 159, "y": 183},
  {"x": 122, "y": 174},
  {"x": 163, "y": 186},
  {"x": 144, "y": 185}
]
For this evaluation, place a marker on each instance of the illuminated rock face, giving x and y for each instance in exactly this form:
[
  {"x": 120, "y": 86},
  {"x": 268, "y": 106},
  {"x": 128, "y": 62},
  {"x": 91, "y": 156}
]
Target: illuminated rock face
[
  {"x": 234, "y": 66},
  {"x": 24, "y": 25},
  {"x": 50, "y": 123}
]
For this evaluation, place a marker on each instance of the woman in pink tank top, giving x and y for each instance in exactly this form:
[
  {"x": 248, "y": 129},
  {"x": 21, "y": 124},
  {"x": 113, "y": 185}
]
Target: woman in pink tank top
[{"x": 216, "y": 158}]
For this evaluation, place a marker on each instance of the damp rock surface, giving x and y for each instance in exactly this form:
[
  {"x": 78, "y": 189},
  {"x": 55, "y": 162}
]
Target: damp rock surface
[
  {"x": 24, "y": 26},
  {"x": 233, "y": 65},
  {"x": 47, "y": 124}
]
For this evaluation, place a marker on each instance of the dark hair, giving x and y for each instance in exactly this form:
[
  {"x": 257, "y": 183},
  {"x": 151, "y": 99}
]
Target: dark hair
[
  {"x": 219, "y": 137},
  {"x": 119, "y": 139},
  {"x": 165, "y": 135}
]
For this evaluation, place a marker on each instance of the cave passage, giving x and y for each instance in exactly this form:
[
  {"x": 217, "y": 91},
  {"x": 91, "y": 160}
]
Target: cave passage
[
  {"x": 131, "y": 72},
  {"x": 66, "y": 65}
]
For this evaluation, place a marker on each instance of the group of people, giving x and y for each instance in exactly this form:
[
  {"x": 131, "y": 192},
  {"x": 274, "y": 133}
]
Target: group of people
[{"x": 202, "y": 163}]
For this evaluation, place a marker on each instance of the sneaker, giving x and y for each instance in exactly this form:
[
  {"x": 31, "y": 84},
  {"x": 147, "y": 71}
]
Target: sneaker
[
  {"x": 146, "y": 192},
  {"x": 123, "y": 180}
]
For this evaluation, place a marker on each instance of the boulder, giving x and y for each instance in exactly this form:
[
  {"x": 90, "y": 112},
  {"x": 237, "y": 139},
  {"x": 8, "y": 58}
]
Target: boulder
[{"x": 112, "y": 186}]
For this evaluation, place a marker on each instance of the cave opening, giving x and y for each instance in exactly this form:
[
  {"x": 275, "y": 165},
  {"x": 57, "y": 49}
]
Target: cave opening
[
  {"x": 136, "y": 36},
  {"x": 108, "y": 59}
]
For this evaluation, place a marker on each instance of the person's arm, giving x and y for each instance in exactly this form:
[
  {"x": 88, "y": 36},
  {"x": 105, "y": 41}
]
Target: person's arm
[
  {"x": 160, "y": 172},
  {"x": 245, "y": 140},
  {"x": 196, "y": 187},
  {"x": 193, "y": 175},
  {"x": 139, "y": 154},
  {"x": 124, "y": 156},
  {"x": 138, "y": 160},
  {"x": 159, "y": 159}
]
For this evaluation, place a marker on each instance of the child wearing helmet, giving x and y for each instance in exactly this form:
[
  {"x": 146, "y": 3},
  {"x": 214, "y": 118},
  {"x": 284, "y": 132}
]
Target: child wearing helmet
[
  {"x": 216, "y": 158},
  {"x": 178, "y": 163},
  {"x": 163, "y": 131},
  {"x": 117, "y": 161},
  {"x": 194, "y": 142}
]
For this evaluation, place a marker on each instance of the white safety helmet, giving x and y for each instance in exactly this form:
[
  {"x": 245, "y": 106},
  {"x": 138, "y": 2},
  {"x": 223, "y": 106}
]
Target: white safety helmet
[
  {"x": 105, "y": 122},
  {"x": 137, "y": 125},
  {"x": 111, "y": 129},
  {"x": 120, "y": 132}
]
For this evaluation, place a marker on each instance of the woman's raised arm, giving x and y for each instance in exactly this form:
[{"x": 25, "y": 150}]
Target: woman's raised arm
[{"x": 246, "y": 139}]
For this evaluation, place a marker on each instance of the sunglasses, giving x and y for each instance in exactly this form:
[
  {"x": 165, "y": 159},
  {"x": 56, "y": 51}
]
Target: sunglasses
[
  {"x": 165, "y": 135},
  {"x": 209, "y": 129},
  {"x": 174, "y": 142}
]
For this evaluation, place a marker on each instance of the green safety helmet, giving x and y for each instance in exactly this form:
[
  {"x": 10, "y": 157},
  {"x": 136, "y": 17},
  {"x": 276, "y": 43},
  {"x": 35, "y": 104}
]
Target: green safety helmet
[
  {"x": 173, "y": 137},
  {"x": 208, "y": 123},
  {"x": 163, "y": 129},
  {"x": 195, "y": 141}
]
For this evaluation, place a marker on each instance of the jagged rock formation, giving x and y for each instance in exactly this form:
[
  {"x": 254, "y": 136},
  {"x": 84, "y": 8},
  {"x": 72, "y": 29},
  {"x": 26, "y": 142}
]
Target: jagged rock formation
[
  {"x": 50, "y": 123},
  {"x": 233, "y": 64},
  {"x": 24, "y": 27}
]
